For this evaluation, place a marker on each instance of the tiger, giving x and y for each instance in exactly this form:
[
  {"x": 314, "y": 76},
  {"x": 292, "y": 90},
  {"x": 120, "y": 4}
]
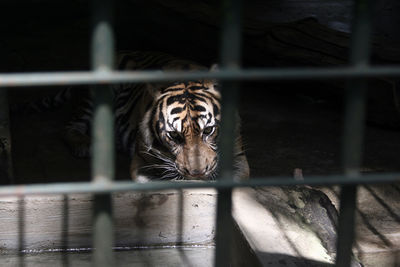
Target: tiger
[{"x": 169, "y": 129}]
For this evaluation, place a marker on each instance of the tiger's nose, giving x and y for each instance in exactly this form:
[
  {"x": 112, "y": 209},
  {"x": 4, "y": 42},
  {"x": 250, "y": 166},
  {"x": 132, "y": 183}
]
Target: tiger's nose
[{"x": 197, "y": 173}]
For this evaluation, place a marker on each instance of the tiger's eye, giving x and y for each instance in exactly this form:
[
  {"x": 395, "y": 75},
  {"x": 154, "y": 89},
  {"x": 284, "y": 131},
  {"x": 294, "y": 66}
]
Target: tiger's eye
[
  {"x": 208, "y": 130},
  {"x": 174, "y": 136}
]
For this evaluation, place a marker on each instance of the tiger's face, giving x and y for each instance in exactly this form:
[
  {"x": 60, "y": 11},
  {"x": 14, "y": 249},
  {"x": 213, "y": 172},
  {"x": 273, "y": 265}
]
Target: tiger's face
[{"x": 180, "y": 132}]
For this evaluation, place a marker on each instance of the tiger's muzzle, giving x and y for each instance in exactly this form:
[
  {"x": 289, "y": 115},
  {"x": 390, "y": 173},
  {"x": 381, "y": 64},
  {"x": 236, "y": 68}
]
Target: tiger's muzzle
[{"x": 197, "y": 163}]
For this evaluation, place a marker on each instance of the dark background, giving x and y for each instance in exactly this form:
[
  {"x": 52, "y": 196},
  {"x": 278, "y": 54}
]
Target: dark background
[{"x": 285, "y": 125}]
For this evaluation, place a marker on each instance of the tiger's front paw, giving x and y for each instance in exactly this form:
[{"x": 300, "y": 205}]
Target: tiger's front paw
[{"x": 141, "y": 179}]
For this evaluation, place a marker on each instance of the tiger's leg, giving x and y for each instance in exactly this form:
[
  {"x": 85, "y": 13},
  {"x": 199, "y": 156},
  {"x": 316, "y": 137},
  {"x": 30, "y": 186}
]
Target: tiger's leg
[
  {"x": 241, "y": 165},
  {"x": 134, "y": 170},
  {"x": 242, "y": 170},
  {"x": 137, "y": 162},
  {"x": 77, "y": 132}
]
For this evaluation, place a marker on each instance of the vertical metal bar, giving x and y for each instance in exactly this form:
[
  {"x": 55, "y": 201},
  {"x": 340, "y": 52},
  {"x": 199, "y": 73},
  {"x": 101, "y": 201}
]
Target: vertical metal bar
[
  {"x": 21, "y": 231},
  {"x": 6, "y": 173},
  {"x": 102, "y": 132},
  {"x": 65, "y": 232},
  {"x": 353, "y": 129},
  {"x": 230, "y": 59}
]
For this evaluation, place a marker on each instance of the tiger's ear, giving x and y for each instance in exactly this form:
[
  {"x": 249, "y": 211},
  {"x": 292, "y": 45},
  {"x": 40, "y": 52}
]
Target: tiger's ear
[
  {"x": 214, "y": 68},
  {"x": 153, "y": 89}
]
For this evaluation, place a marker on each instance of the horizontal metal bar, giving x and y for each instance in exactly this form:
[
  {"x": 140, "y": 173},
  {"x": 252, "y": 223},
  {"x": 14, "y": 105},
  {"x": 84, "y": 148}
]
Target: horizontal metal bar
[
  {"x": 119, "y": 186},
  {"x": 104, "y": 77}
]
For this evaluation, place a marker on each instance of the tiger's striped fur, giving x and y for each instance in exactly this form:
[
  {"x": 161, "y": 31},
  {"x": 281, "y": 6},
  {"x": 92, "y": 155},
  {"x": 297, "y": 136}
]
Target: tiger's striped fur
[{"x": 169, "y": 129}]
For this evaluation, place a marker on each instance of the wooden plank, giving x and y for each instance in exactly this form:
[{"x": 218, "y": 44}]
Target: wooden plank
[{"x": 141, "y": 219}]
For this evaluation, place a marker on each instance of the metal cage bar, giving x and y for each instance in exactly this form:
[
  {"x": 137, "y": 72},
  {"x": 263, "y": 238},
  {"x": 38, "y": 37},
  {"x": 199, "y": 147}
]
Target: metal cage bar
[
  {"x": 230, "y": 59},
  {"x": 102, "y": 132},
  {"x": 353, "y": 130},
  {"x": 276, "y": 74},
  {"x": 120, "y": 186}
]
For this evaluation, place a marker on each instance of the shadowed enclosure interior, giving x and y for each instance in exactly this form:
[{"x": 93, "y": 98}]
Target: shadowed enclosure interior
[{"x": 101, "y": 73}]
